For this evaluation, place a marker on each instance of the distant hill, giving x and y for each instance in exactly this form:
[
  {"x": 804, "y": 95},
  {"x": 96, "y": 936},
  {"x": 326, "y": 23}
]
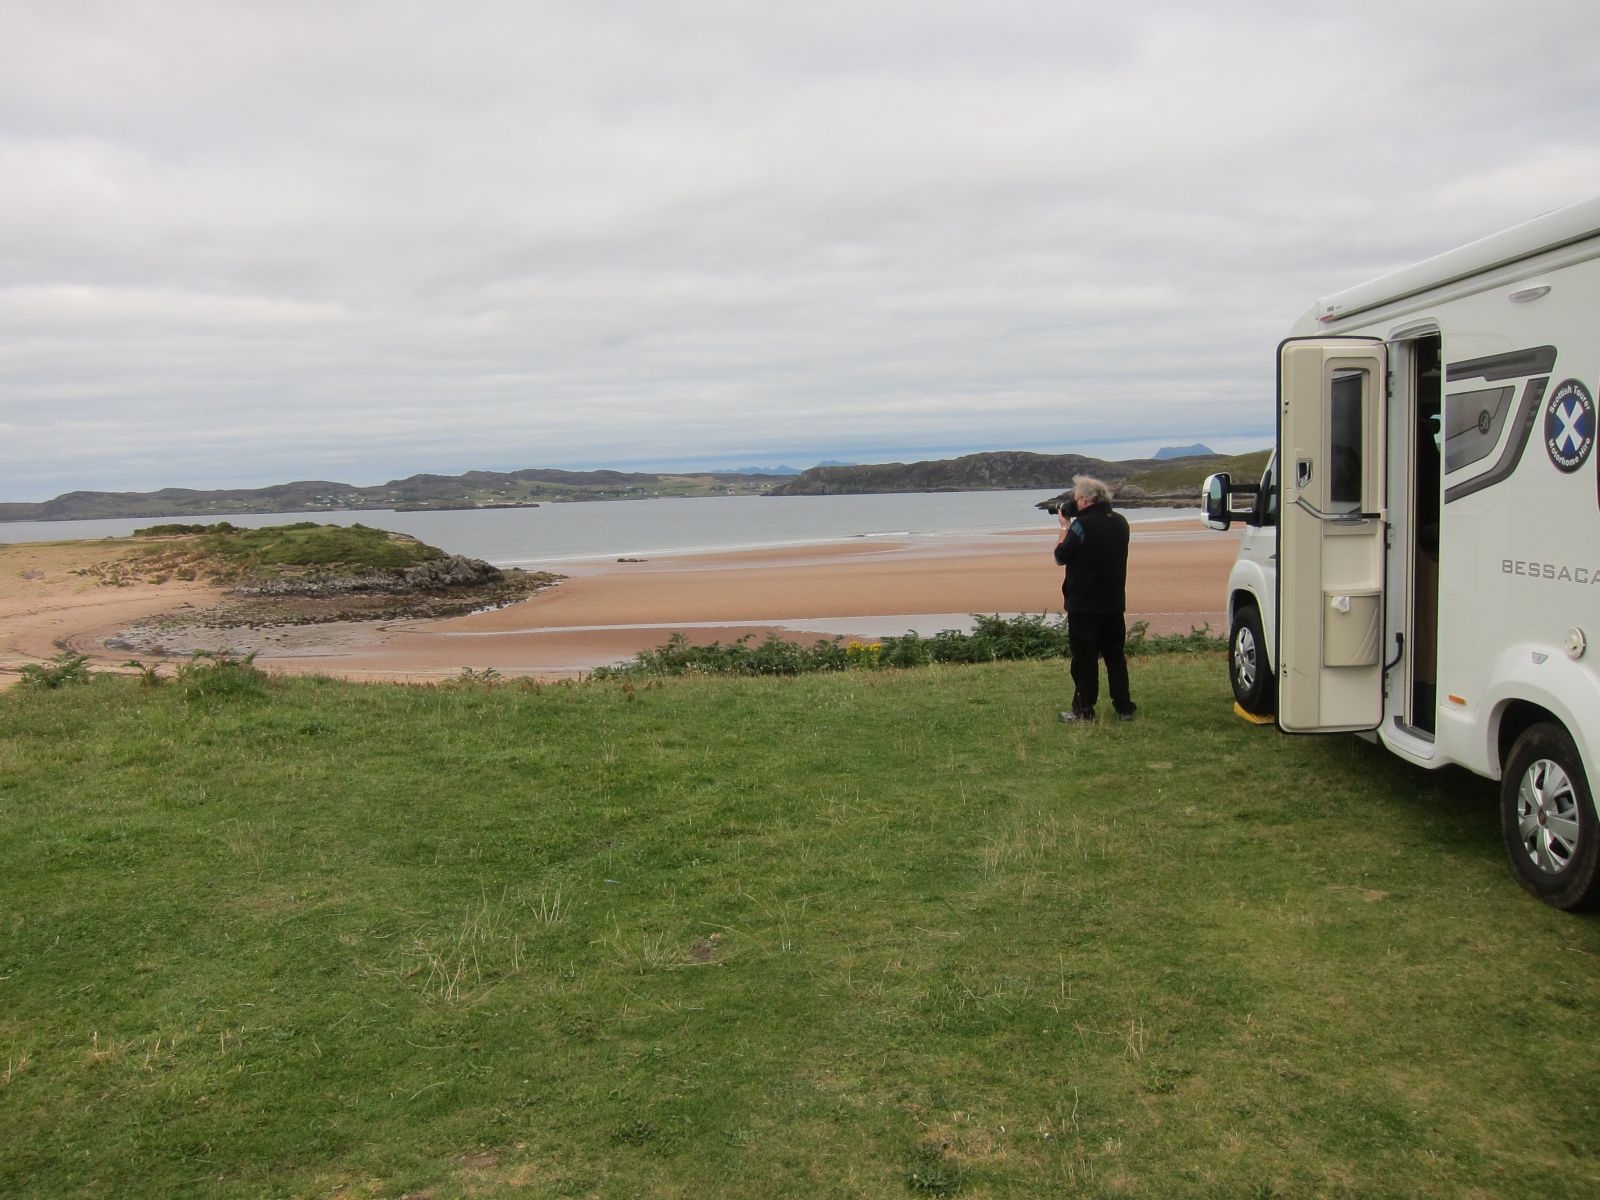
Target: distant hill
[
  {"x": 1142, "y": 481},
  {"x": 971, "y": 472},
  {"x": 1193, "y": 451},
  {"x": 475, "y": 489}
]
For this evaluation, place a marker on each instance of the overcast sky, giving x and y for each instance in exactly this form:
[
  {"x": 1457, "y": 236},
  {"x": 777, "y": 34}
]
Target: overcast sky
[{"x": 244, "y": 243}]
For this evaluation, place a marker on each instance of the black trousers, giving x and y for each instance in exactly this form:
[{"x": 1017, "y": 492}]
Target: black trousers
[{"x": 1092, "y": 637}]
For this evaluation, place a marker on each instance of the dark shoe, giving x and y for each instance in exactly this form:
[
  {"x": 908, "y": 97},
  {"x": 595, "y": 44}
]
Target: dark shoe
[
  {"x": 1074, "y": 718},
  {"x": 1129, "y": 715}
]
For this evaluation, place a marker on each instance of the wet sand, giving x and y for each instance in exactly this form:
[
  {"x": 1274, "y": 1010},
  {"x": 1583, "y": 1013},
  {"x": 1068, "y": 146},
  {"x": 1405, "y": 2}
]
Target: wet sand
[
  {"x": 607, "y": 611},
  {"x": 47, "y": 605}
]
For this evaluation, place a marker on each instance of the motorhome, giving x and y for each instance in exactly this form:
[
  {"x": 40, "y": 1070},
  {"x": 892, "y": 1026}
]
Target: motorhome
[{"x": 1421, "y": 560}]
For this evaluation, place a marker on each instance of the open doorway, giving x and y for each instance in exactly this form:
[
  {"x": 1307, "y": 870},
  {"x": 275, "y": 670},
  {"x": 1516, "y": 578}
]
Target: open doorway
[{"x": 1427, "y": 437}]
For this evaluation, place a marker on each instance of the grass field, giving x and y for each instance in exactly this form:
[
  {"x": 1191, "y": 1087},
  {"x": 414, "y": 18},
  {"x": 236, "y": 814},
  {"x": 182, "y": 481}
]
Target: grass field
[{"x": 862, "y": 934}]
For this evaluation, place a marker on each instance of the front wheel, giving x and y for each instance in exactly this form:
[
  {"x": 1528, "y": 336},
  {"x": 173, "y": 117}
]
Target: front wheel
[
  {"x": 1548, "y": 818},
  {"x": 1254, "y": 686}
]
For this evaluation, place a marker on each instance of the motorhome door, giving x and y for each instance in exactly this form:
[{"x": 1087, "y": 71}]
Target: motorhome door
[{"x": 1332, "y": 396}]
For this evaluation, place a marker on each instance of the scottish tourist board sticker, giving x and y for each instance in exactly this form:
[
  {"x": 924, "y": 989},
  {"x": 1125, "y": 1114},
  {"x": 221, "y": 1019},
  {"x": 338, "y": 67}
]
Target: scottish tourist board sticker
[{"x": 1569, "y": 426}]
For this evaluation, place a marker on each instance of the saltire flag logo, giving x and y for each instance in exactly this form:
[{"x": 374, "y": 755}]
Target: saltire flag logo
[{"x": 1569, "y": 426}]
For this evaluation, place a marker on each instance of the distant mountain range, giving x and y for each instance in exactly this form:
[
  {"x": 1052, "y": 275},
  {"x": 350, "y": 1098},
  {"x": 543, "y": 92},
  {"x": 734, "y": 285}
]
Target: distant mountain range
[
  {"x": 475, "y": 489},
  {"x": 1194, "y": 451},
  {"x": 1174, "y": 480}
]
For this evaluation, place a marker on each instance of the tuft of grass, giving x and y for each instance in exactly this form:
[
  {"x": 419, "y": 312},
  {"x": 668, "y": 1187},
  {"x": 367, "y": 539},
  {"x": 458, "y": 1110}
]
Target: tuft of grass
[
  {"x": 220, "y": 673},
  {"x": 459, "y": 960},
  {"x": 931, "y": 1172}
]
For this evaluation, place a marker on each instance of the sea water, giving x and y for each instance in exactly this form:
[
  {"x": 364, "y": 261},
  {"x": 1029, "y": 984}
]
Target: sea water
[{"x": 579, "y": 531}]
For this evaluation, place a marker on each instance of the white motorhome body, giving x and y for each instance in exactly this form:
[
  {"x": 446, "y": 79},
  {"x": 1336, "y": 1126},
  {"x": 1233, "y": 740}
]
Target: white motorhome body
[{"x": 1422, "y": 559}]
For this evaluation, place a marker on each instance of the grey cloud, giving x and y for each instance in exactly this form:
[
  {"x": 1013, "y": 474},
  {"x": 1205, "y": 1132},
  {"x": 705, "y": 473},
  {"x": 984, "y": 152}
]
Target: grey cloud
[{"x": 243, "y": 242}]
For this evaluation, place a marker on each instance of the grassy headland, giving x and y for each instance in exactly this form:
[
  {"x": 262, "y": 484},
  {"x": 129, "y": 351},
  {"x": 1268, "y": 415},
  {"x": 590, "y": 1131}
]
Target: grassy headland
[
  {"x": 228, "y": 554},
  {"x": 858, "y": 934},
  {"x": 1137, "y": 482}
]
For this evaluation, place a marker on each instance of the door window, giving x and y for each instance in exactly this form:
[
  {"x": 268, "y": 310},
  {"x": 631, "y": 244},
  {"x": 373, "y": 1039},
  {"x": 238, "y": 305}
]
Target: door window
[{"x": 1345, "y": 440}]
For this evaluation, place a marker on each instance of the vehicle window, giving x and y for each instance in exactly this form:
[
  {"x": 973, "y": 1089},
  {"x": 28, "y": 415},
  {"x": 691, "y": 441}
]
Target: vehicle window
[
  {"x": 1265, "y": 512},
  {"x": 1472, "y": 424},
  {"x": 1344, "y": 441}
]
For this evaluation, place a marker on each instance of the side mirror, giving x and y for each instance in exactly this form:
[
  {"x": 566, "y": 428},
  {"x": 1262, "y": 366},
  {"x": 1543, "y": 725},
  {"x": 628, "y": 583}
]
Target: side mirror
[{"x": 1214, "y": 499}]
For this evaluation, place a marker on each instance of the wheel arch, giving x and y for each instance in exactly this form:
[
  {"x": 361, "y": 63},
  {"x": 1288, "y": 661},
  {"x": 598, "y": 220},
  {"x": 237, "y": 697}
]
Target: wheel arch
[
  {"x": 1250, "y": 583},
  {"x": 1244, "y": 597},
  {"x": 1515, "y": 718}
]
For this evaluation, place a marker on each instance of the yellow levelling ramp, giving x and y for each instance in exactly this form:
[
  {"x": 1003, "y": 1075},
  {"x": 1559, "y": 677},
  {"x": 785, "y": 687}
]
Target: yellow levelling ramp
[{"x": 1251, "y": 717}]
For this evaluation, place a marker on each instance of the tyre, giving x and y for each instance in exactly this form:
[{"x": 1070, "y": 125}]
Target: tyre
[
  {"x": 1547, "y": 816},
  {"x": 1254, "y": 685}
]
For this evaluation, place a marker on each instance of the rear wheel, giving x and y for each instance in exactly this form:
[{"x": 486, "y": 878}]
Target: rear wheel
[
  {"x": 1548, "y": 818},
  {"x": 1248, "y": 670}
]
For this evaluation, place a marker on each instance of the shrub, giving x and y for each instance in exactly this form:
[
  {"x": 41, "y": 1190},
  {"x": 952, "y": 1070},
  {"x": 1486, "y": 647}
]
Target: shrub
[
  {"x": 993, "y": 639},
  {"x": 64, "y": 669},
  {"x": 774, "y": 656},
  {"x": 863, "y": 655},
  {"x": 1139, "y": 642}
]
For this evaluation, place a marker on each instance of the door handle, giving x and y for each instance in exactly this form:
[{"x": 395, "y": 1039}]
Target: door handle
[{"x": 1355, "y": 518}]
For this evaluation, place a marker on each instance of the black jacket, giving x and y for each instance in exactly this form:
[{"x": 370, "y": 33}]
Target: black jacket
[{"x": 1095, "y": 554}]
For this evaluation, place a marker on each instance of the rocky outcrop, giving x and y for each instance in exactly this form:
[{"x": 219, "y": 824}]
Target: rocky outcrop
[{"x": 453, "y": 571}]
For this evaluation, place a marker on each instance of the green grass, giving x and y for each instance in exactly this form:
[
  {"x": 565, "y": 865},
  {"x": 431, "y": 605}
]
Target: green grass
[
  {"x": 859, "y": 934},
  {"x": 228, "y": 550}
]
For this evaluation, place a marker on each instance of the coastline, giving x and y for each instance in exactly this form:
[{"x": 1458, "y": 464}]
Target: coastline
[{"x": 606, "y": 612}]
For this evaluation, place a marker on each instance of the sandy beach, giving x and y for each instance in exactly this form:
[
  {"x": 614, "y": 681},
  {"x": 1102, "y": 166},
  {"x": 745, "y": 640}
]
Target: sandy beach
[{"x": 606, "y": 612}]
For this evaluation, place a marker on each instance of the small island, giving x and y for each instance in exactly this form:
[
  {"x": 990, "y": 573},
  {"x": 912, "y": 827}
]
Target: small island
[{"x": 301, "y": 574}]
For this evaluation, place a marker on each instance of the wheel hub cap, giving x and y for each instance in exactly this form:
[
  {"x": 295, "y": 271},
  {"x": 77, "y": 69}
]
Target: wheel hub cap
[
  {"x": 1244, "y": 658},
  {"x": 1547, "y": 816}
]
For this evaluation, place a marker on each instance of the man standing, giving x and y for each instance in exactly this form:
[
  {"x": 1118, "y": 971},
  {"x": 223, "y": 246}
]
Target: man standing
[{"x": 1093, "y": 547}]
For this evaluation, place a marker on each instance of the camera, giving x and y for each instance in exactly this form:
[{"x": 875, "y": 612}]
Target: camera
[{"x": 1061, "y": 504}]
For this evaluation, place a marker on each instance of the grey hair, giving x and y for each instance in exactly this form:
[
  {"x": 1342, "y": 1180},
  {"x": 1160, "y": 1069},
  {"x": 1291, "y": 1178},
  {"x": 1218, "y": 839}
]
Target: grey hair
[{"x": 1087, "y": 487}]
